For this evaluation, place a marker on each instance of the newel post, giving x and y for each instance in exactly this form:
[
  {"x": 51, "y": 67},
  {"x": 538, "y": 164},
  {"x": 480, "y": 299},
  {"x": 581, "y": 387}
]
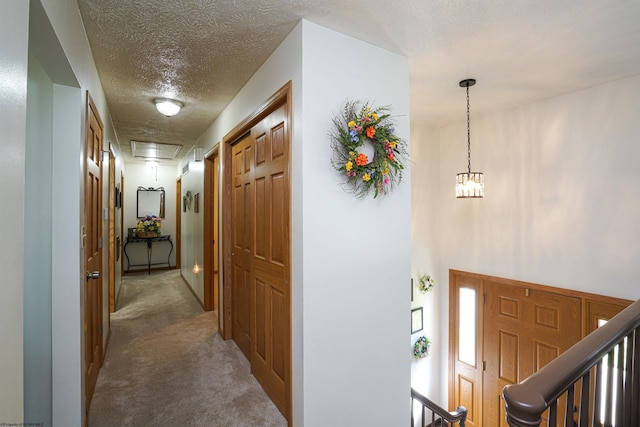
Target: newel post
[{"x": 524, "y": 408}]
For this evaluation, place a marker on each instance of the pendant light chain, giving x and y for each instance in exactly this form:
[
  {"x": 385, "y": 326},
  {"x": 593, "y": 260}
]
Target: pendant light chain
[
  {"x": 469, "y": 184},
  {"x": 468, "y": 134}
]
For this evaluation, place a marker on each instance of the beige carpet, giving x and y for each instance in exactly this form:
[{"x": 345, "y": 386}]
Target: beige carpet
[{"x": 166, "y": 365}]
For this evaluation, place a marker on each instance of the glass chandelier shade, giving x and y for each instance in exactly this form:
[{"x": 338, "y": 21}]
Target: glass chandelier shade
[{"x": 469, "y": 184}]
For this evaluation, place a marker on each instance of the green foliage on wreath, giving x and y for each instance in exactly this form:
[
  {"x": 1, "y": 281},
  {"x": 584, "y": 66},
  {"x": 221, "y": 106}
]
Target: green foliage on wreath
[
  {"x": 425, "y": 283},
  {"x": 422, "y": 348},
  {"x": 356, "y": 127}
]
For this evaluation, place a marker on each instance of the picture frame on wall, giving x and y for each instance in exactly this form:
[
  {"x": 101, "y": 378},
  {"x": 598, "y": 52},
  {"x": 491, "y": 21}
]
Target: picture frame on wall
[
  {"x": 118, "y": 197},
  {"x": 416, "y": 320},
  {"x": 196, "y": 202}
]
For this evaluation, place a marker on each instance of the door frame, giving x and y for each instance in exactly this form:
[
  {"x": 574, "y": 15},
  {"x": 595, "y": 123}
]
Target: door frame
[{"x": 211, "y": 223}]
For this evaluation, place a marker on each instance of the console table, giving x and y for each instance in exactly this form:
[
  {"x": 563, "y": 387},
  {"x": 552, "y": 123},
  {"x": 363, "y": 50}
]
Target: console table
[{"x": 149, "y": 241}]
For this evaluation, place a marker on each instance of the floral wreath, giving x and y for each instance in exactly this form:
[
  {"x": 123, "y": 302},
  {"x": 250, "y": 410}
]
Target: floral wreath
[
  {"x": 366, "y": 150},
  {"x": 425, "y": 283},
  {"x": 422, "y": 348}
]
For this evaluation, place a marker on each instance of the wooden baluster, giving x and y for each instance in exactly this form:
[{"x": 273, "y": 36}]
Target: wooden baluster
[
  {"x": 620, "y": 380},
  {"x": 634, "y": 388},
  {"x": 596, "y": 393},
  {"x": 412, "y": 423},
  {"x": 627, "y": 403},
  {"x": 553, "y": 414},
  {"x": 568, "y": 410},
  {"x": 584, "y": 400}
]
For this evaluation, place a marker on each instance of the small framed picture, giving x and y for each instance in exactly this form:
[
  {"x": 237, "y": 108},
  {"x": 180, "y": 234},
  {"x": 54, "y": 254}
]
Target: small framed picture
[
  {"x": 117, "y": 197},
  {"x": 416, "y": 320},
  {"x": 196, "y": 202}
]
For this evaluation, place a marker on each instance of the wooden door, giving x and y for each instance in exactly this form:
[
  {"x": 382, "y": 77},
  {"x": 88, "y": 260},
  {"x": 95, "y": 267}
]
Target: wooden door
[
  {"x": 242, "y": 243},
  {"x": 257, "y": 244},
  {"x": 92, "y": 244},
  {"x": 270, "y": 257},
  {"x": 216, "y": 231},
  {"x": 122, "y": 229},
  {"x": 466, "y": 348},
  {"x": 178, "y": 241},
  {"x": 524, "y": 329}
]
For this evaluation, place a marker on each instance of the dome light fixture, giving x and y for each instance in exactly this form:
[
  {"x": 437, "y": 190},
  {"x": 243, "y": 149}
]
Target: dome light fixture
[
  {"x": 469, "y": 184},
  {"x": 168, "y": 107}
]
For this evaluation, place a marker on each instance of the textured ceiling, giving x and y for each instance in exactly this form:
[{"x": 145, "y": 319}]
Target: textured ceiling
[{"x": 201, "y": 52}]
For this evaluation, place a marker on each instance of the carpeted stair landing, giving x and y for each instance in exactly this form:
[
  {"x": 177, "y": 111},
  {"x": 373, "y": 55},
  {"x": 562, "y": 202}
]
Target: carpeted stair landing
[{"x": 166, "y": 365}]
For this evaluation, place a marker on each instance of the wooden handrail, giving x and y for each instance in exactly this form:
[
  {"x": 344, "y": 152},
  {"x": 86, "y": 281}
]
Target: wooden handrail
[
  {"x": 526, "y": 401},
  {"x": 457, "y": 416}
]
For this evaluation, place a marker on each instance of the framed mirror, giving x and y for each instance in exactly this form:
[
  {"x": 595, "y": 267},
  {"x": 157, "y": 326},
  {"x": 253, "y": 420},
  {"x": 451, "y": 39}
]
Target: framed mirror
[{"x": 150, "y": 202}]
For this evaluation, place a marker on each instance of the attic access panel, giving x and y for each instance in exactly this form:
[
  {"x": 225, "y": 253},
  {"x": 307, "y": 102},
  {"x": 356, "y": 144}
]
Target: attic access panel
[{"x": 154, "y": 150}]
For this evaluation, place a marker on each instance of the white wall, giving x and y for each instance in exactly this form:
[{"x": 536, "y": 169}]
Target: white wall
[
  {"x": 192, "y": 228},
  {"x": 343, "y": 295},
  {"x": 425, "y": 230},
  {"x": 13, "y": 104},
  {"x": 141, "y": 175},
  {"x": 57, "y": 31},
  {"x": 72, "y": 47},
  {"x": 38, "y": 245},
  {"x": 562, "y": 197},
  {"x": 66, "y": 294},
  {"x": 356, "y": 262}
]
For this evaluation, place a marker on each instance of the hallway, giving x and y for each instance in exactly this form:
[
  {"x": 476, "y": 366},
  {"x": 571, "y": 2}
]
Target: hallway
[{"x": 166, "y": 365}]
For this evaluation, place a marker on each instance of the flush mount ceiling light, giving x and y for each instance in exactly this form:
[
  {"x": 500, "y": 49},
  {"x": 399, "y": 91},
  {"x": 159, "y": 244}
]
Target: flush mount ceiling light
[
  {"x": 469, "y": 184},
  {"x": 168, "y": 107}
]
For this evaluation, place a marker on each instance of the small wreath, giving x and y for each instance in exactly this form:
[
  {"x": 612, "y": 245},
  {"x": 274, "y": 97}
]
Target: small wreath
[
  {"x": 422, "y": 348},
  {"x": 425, "y": 283},
  {"x": 366, "y": 150}
]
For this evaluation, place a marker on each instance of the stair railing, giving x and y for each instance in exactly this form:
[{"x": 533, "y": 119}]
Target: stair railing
[
  {"x": 598, "y": 379},
  {"x": 439, "y": 416}
]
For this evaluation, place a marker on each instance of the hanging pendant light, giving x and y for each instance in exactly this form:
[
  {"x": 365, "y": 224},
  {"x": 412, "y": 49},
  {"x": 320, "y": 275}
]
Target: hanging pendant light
[{"x": 469, "y": 184}]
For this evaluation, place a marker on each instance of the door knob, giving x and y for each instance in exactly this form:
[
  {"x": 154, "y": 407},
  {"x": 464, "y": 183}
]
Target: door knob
[{"x": 94, "y": 275}]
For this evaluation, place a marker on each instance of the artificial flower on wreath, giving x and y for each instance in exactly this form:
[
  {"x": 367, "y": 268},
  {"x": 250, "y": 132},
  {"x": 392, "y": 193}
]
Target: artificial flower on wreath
[
  {"x": 425, "y": 283},
  {"x": 422, "y": 347},
  {"x": 149, "y": 224},
  {"x": 360, "y": 126}
]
